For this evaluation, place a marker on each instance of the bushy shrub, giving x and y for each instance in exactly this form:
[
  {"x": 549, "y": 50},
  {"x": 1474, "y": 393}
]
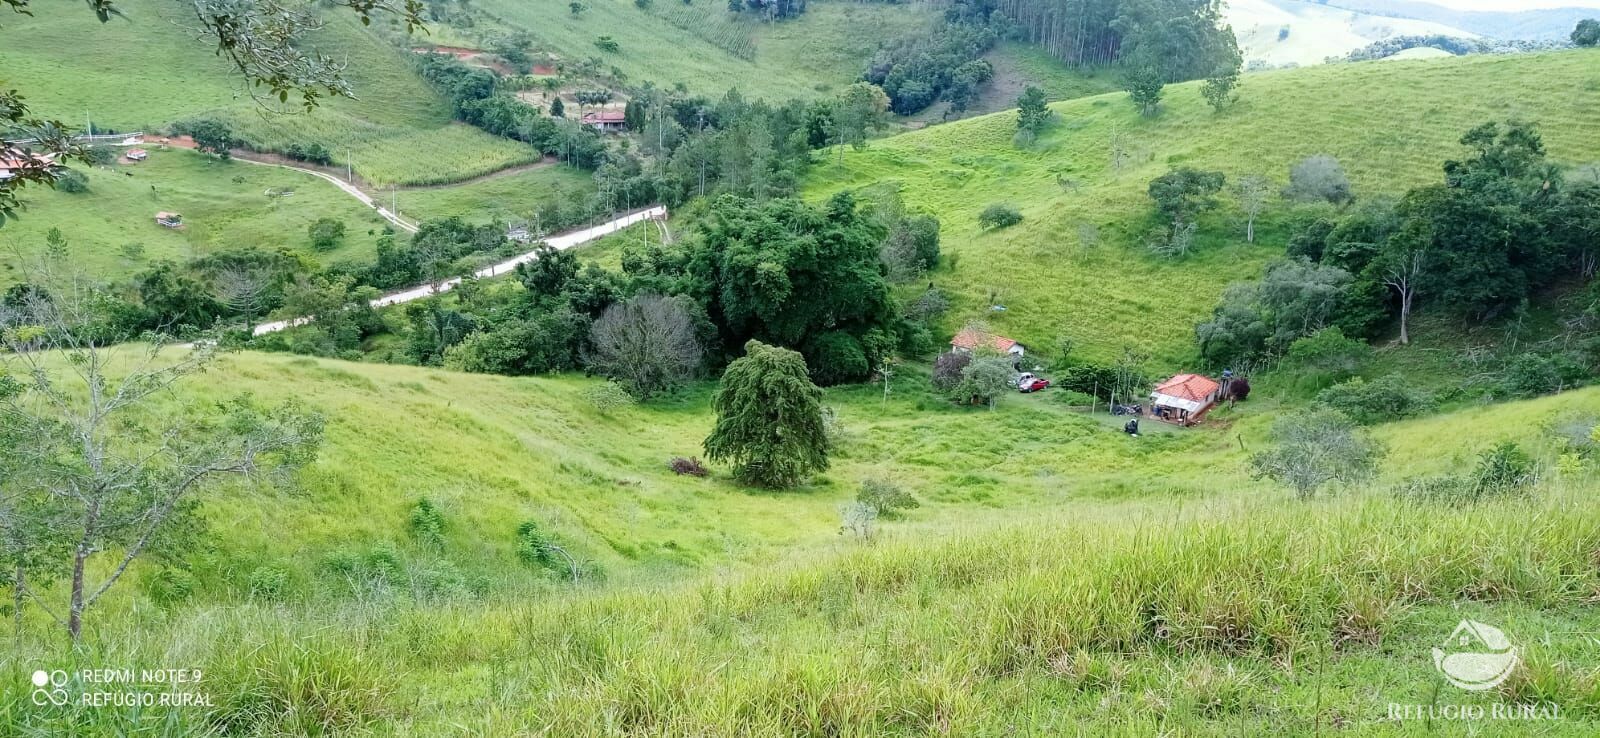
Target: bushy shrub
[
  {"x": 326, "y": 233},
  {"x": 1531, "y": 375},
  {"x": 886, "y": 496},
  {"x": 947, "y": 369},
  {"x": 312, "y": 152},
  {"x": 72, "y": 181},
  {"x": 1094, "y": 380},
  {"x": 1328, "y": 353},
  {"x": 1319, "y": 178},
  {"x": 427, "y": 523},
  {"x": 836, "y": 357},
  {"x": 999, "y": 215},
  {"x": 608, "y": 396},
  {"x": 533, "y": 548},
  {"x": 1389, "y": 397},
  {"x": 690, "y": 466},
  {"x": 170, "y": 587},
  {"x": 269, "y": 583},
  {"x": 1503, "y": 469},
  {"x": 103, "y": 155}
]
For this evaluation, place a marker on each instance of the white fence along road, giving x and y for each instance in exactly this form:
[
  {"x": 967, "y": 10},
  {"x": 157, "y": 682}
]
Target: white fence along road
[{"x": 561, "y": 242}]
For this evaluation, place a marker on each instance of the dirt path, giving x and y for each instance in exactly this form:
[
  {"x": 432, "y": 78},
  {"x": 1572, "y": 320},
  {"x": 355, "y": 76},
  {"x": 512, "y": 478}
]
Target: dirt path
[
  {"x": 561, "y": 242},
  {"x": 357, "y": 189}
]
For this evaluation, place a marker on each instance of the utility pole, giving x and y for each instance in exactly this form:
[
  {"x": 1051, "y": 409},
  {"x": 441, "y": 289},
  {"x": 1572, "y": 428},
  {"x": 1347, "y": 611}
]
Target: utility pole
[{"x": 349, "y": 166}]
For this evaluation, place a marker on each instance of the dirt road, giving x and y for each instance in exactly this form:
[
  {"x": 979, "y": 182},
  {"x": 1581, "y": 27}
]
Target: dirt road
[{"x": 561, "y": 242}]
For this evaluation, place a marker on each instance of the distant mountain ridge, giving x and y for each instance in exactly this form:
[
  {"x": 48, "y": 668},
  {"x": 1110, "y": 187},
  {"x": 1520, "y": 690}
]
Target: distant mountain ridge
[{"x": 1534, "y": 25}]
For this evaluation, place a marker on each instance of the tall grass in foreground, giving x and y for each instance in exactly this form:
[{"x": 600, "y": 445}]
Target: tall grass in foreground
[{"x": 1214, "y": 620}]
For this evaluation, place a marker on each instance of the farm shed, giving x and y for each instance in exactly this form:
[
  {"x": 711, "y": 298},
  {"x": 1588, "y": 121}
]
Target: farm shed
[{"x": 1184, "y": 398}]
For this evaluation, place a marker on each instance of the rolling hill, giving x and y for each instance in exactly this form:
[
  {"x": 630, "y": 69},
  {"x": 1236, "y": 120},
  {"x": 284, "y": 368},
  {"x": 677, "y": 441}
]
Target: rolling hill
[
  {"x": 1076, "y": 263},
  {"x": 725, "y": 611},
  {"x": 1513, "y": 21},
  {"x": 1280, "y": 32},
  {"x": 148, "y": 70}
]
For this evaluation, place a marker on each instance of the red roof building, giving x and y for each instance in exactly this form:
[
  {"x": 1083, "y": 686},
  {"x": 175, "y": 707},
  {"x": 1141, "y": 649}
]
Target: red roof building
[
  {"x": 1184, "y": 398},
  {"x": 605, "y": 120},
  {"x": 969, "y": 339},
  {"x": 9, "y": 166}
]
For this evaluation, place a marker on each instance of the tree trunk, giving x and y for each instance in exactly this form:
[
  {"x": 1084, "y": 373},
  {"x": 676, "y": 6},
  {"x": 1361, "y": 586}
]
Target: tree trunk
[
  {"x": 19, "y": 588},
  {"x": 1250, "y": 230},
  {"x": 1405, "y": 316},
  {"x": 75, "y": 614}
]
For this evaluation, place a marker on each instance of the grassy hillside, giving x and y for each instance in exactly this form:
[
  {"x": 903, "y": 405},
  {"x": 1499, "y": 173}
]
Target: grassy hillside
[
  {"x": 494, "y": 451},
  {"x": 1076, "y": 264},
  {"x": 148, "y": 71},
  {"x": 1059, "y": 575},
  {"x": 711, "y": 50},
  {"x": 225, "y": 205}
]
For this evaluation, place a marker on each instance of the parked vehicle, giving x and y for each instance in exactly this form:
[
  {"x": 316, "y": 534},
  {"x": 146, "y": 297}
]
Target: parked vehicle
[{"x": 1027, "y": 382}]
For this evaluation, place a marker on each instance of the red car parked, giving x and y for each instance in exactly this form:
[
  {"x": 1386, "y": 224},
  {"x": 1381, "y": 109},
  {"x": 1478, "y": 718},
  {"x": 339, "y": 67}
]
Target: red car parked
[{"x": 1030, "y": 383}]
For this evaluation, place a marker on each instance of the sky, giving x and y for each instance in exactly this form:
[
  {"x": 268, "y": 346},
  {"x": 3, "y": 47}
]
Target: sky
[{"x": 1515, "y": 4}]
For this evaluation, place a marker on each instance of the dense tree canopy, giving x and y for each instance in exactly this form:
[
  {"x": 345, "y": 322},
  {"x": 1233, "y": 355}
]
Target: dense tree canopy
[{"x": 786, "y": 273}]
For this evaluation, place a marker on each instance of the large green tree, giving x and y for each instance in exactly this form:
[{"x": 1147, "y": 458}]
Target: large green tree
[
  {"x": 770, "y": 423},
  {"x": 786, "y": 273}
]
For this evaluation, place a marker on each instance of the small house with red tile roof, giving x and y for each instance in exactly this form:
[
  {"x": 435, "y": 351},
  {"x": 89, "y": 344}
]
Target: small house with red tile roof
[
  {"x": 10, "y": 166},
  {"x": 970, "y": 339},
  {"x": 605, "y": 121},
  {"x": 1184, "y": 398}
]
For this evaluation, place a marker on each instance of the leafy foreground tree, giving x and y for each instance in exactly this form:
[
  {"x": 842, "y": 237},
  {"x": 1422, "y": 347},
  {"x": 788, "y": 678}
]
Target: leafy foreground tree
[
  {"x": 95, "y": 468},
  {"x": 1311, "y": 450},
  {"x": 769, "y": 418}
]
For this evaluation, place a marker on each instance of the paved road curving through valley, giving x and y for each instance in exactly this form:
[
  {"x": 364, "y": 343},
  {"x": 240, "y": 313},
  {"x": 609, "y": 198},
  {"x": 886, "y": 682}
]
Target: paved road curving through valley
[{"x": 561, "y": 242}]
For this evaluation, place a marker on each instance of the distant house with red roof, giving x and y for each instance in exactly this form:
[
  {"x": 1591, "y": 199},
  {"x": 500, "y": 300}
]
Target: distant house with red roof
[
  {"x": 1184, "y": 398},
  {"x": 10, "y": 165},
  {"x": 606, "y": 121},
  {"x": 969, "y": 339}
]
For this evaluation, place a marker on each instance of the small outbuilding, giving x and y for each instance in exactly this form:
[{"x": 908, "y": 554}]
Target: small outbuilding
[
  {"x": 137, "y": 155},
  {"x": 1184, "y": 398},
  {"x": 970, "y": 339},
  {"x": 169, "y": 220}
]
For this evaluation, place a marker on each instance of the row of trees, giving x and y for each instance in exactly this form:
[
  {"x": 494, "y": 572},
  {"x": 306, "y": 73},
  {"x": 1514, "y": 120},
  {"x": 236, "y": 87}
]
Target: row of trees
[{"x": 1502, "y": 226}]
